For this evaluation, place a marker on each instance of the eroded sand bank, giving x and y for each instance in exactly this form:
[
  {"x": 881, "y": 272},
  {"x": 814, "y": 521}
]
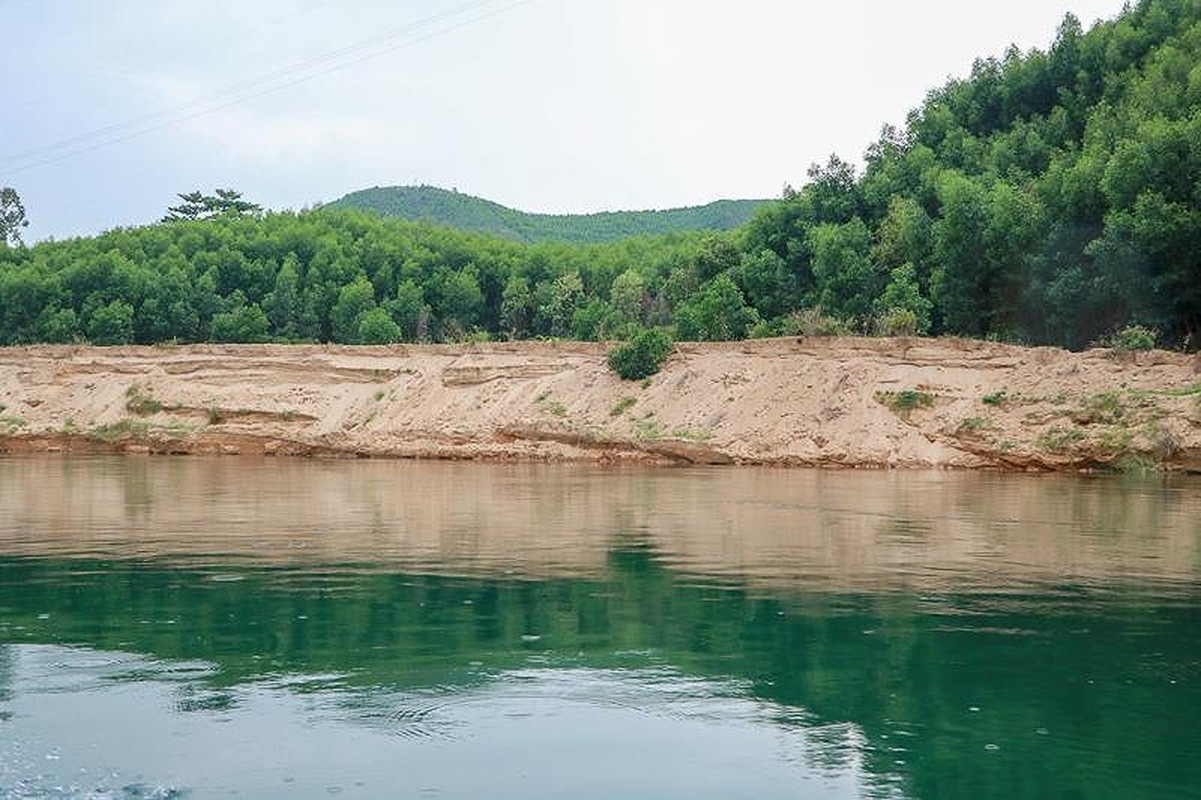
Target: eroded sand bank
[{"x": 803, "y": 402}]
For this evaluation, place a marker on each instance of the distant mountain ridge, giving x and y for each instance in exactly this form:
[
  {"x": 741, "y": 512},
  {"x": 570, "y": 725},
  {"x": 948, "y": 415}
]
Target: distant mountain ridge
[{"x": 465, "y": 212}]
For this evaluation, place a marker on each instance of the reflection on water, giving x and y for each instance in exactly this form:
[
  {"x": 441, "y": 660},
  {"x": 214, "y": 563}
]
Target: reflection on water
[
  {"x": 191, "y": 627},
  {"x": 836, "y": 530}
]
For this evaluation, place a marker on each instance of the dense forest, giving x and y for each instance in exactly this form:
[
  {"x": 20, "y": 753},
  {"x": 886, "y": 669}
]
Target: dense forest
[
  {"x": 467, "y": 213},
  {"x": 1049, "y": 197}
]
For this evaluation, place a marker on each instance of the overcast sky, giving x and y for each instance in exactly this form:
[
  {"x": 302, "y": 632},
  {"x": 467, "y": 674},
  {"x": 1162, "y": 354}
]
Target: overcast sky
[{"x": 111, "y": 108}]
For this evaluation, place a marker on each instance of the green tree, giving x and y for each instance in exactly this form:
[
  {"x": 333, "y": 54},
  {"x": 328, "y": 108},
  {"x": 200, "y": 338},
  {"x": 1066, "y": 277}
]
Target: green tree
[
  {"x": 376, "y": 326},
  {"x": 719, "y": 313},
  {"x": 960, "y": 281},
  {"x": 355, "y": 299},
  {"x": 197, "y": 205},
  {"x": 558, "y": 310},
  {"x": 282, "y": 305},
  {"x": 627, "y": 296},
  {"x": 244, "y": 323},
  {"x": 410, "y": 311},
  {"x": 516, "y": 308},
  {"x": 12, "y": 216},
  {"x": 902, "y": 299},
  {"x": 111, "y": 324},
  {"x": 461, "y": 302},
  {"x": 847, "y": 282}
]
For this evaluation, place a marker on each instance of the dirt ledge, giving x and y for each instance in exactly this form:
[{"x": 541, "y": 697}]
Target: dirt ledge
[{"x": 829, "y": 402}]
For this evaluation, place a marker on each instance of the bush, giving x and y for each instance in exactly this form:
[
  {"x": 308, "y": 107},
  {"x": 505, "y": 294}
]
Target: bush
[
  {"x": 897, "y": 322},
  {"x": 813, "y": 322},
  {"x": 376, "y": 326},
  {"x": 242, "y": 324},
  {"x": 111, "y": 324},
  {"x": 1134, "y": 337},
  {"x": 643, "y": 355},
  {"x": 906, "y": 400}
]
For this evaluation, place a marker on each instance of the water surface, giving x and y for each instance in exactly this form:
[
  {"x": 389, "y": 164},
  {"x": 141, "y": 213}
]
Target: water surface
[{"x": 207, "y": 627}]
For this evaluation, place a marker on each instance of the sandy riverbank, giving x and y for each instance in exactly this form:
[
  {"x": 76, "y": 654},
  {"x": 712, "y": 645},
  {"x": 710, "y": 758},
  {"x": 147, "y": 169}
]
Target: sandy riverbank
[{"x": 813, "y": 402}]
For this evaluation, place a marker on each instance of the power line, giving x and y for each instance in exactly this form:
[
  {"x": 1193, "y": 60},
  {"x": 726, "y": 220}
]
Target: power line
[
  {"x": 241, "y": 86},
  {"x": 261, "y": 85}
]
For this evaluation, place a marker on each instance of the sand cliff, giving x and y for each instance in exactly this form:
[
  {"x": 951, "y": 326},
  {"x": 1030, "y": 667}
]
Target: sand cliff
[{"x": 801, "y": 402}]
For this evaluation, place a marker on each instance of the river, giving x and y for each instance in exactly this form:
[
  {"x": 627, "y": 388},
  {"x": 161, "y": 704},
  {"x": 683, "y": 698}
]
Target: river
[{"x": 196, "y": 627}]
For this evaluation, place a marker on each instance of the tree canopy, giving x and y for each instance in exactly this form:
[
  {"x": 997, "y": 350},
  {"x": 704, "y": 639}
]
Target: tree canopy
[{"x": 12, "y": 216}]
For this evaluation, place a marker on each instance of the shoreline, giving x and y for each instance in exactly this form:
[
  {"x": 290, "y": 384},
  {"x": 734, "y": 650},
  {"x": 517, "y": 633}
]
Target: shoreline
[{"x": 839, "y": 402}]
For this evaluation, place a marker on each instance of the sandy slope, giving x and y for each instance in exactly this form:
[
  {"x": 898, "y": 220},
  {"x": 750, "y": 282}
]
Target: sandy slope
[{"x": 815, "y": 401}]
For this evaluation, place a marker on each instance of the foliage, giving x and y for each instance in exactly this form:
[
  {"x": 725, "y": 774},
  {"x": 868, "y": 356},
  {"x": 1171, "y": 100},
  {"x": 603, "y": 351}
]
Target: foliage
[
  {"x": 906, "y": 400},
  {"x": 1134, "y": 337},
  {"x": 813, "y": 321},
  {"x": 643, "y": 355},
  {"x": 622, "y": 405},
  {"x": 376, "y": 326},
  {"x": 902, "y": 310},
  {"x": 718, "y": 313},
  {"x": 244, "y": 323},
  {"x": 1060, "y": 440},
  {"x": 141, "y": 402},
  {"x": 12, "y": 216},
  {"x": 197, "y": 205}
]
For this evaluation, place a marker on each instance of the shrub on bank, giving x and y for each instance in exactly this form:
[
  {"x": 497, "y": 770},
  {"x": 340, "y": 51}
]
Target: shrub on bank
[
  {"x": 643, "y": 355},
  {"x": 1134, "y": 337}
]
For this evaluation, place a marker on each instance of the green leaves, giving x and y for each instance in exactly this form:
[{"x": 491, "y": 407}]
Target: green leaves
[
  {"x": 643, "y": 355},
  {"x": 12, "y": 216}
]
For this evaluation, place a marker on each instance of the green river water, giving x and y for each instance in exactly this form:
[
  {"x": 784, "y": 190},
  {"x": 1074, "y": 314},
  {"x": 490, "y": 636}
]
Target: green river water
[{"x": 191, "y": 627}]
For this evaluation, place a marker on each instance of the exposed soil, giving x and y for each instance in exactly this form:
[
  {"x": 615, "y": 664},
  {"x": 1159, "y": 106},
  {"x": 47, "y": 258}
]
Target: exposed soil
[{"x": 844, "y": 402}]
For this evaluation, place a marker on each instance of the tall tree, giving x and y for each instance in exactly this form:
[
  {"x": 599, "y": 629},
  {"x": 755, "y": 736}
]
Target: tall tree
[{"x": 12, "y": 216}]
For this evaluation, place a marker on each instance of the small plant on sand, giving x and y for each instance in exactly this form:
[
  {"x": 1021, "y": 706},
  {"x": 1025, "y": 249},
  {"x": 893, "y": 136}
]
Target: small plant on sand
[
  {"x": 215, "y": 416},
  {"x": 971, "y": 425},
  {"x": 1135, "y": 464},
  {"x": 995, "y": 398},
  {"x": 622, "y": 405},
  {"x": 10, "y": 424},
  {"x": 1060, "y": 440},
  {"x": 141, "y": 402},
  {"x": 136, "y": 429},
  {"x": 690, "y": 435},
  {"x": 1105, "y": 407},
  {"x": 906, "y": 400},
  {"x": 123, "y": 429},
  {"x": 648, "y": 429}
]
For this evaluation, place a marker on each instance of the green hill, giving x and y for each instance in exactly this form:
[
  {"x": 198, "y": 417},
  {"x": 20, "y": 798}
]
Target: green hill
[{"x": 462, "y": 211}]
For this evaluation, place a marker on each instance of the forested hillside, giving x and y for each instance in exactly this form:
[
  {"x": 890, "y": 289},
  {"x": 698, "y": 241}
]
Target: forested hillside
[
  {"x": 462, "y": 211},
  {"x": 1049, "y": 197}
]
